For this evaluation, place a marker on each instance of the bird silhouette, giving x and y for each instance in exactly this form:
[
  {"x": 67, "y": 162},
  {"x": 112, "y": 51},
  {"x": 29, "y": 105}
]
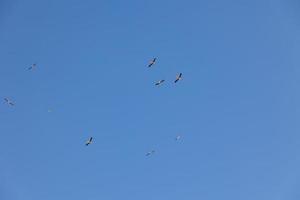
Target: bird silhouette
[
  {"x": 152, "y": 62},
  {"x": 159, "y": 82},
  {"x": 9, "y": 102},
  {"x": 178, "y": 77},
  {"x": 33, "y": 66},
  {"x": 89, "y": 141},
  {"x": 150, "y": 153}
]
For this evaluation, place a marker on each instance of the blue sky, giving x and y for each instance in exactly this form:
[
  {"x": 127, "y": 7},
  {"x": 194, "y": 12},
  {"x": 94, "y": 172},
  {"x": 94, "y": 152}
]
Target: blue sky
[{"x": 236, "y": 108}]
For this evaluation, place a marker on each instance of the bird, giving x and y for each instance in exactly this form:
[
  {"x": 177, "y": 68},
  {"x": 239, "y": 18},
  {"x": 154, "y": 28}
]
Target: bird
[
  {"x": 9, "y": 102},
  {"x": 178, "y": 137},
  {"x": 159, "y": 82},
  {"x": 32, "y": 66},
  {"x": 150, "y": 153},
  {"x": 152, "y": 62},
  {"x": 89, "y": 141},
  {"x": 178, "y": 77}
]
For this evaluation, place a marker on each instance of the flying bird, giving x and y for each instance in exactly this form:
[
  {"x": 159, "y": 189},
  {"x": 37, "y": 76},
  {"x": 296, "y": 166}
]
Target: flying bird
[
  {"x": 159, "y": 82},
  {"x": 178, "y": 137},
  {"x": 89, "y": 141},
  {"x": 178, "y": 77},
  {"x": 150, "y": 153},
  {"x": 9, "y": 102},
  {"x": 33, "y": 66},
  {"x": 152, "y": 62}
]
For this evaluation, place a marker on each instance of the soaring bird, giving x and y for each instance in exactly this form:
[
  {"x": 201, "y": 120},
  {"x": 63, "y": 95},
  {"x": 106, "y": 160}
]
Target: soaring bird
[
  {"x": 32, "y": 66},
  {"x": 89, "y": 141},
  {"x": 150, "y": 153},
  {"x": 152, "y": 62},
  {"x": 178, "y": 137},
  {"x": 9, "y": 102},
  {"x": 178, "y": 77},
  {"x": 159, "y": 82}
]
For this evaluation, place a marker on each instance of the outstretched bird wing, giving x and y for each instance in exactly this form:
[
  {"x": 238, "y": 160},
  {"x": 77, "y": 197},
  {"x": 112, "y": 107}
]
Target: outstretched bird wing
[
  {"x": 9, "y": 102},
  {"x": 178, "y": 77},
  {"x": 89, "y": 141},
  {"x": 152, "y": 62},
  {"x": 159, "y": 82},
  {"x": 32, "y": 66}
]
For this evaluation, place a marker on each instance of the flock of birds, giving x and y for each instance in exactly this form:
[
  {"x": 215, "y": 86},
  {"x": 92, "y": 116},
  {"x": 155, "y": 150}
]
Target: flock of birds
[
  {"x": 90, "y": 140},
  {"x": 178, "y": 77}
]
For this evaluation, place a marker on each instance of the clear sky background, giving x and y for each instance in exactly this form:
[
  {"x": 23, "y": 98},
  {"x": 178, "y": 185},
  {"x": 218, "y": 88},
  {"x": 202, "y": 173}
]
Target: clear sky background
[{"x": 236, "y": 108}]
